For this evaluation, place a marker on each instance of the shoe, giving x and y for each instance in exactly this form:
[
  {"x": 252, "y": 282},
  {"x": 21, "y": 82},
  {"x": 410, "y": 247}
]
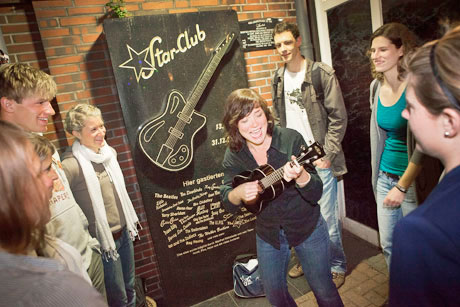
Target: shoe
[
  {"x": 338, "y": 279},
  {"x": 296, "y": 271}
]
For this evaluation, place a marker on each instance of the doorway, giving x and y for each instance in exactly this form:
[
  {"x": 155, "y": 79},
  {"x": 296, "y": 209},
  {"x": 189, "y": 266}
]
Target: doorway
[{"x": 349, "y": 25}]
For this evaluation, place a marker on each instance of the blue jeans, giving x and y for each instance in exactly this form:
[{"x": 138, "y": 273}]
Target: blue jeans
[
  {"x": 313, "y": 254},
  {"x": 387, "y": 217},
  {"x": 119, "y": 274},
  {"x": 330, "y": 211}
]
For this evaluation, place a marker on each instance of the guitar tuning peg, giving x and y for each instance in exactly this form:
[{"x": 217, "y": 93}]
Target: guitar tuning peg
[{"x": 302, "y": 147}]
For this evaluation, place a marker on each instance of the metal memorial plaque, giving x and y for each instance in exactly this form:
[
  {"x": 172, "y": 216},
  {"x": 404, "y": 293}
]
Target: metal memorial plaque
[
  {"x": 173, "y": 74},
  {"x": 257, "y": 34}
]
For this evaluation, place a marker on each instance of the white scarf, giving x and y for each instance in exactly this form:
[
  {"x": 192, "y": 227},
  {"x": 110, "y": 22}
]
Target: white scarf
[{"x": 106, "y": 156}]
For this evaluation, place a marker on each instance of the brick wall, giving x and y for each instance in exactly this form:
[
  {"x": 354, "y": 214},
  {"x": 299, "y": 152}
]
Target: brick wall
[{"x": 66, "y": 39}]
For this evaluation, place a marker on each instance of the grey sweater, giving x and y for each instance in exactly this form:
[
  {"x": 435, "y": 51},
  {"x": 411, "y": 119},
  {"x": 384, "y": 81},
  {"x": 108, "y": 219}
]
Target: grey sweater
[
  {"x": 68, "y": 222},
  {"x": 36, "y": 281}
]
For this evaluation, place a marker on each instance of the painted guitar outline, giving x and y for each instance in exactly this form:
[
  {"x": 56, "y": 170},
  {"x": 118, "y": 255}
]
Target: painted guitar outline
[{"x": 170, "y": 156}]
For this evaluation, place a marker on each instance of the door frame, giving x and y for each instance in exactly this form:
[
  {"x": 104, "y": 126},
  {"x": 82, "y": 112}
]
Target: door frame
[{"x": 322, "y": 6}]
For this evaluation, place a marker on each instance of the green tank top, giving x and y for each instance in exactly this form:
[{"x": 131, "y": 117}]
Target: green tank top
[{"x": 394, "y": 157}]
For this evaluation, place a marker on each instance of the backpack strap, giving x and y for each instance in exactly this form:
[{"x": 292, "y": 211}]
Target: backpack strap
[
  {"x": 316, "y": 81},
  {"x": 276, "y": 81}
]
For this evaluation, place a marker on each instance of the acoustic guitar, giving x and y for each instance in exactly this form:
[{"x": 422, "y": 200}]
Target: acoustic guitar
[
  {"x": 271, "y": 182},
  {"x": 167, "y": 140}
]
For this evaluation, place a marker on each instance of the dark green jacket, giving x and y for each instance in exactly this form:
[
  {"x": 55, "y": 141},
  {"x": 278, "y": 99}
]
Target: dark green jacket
[{"x": 296, "y": 209}]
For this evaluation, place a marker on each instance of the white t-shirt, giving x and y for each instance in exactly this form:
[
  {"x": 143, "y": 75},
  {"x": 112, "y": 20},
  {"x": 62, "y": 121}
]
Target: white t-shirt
[{"x": 296, "y": 115}]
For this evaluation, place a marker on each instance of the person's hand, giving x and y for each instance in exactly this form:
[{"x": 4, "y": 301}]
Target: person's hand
[
  {"x": 394, "y": 198},
  {"x": 247, "y": 192},
  {"x": 292, "y": 170},
  {"x": 322, "y": 163}
]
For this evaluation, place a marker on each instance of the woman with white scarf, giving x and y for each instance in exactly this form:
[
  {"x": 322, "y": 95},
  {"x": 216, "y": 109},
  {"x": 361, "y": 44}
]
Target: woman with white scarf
[{"x": 97, "y": 184}]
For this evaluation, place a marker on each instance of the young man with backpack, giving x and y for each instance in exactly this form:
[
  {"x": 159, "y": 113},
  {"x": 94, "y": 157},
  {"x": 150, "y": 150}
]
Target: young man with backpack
[{"x": 307, "y": 97}]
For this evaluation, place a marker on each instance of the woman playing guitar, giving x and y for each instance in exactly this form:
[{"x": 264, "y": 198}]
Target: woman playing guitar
[{"x": 291, "y": 219}]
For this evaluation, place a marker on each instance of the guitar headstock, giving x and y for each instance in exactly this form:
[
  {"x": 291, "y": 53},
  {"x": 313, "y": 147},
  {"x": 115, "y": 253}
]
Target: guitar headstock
[
  {"x": 226, "y": 43},
  {"x": 311, "y": 153}
]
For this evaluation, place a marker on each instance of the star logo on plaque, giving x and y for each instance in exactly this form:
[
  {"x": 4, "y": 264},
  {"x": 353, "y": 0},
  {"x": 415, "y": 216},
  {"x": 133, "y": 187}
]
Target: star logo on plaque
[{"x": 138, "y": 62}]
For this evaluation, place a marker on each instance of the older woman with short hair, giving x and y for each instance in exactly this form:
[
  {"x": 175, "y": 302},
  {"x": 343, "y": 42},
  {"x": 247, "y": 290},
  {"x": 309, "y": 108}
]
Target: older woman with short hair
[{"x": 96, "y": 180}]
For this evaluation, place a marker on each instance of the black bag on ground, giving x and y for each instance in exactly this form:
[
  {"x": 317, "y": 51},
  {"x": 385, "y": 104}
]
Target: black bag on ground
[{"x": 246, "y": 279}]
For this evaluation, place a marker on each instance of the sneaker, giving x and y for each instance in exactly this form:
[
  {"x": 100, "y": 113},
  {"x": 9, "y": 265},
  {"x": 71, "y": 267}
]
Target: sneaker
[
  {"x": 338, "y": 279},
  {"x": 296, "y": 271}
]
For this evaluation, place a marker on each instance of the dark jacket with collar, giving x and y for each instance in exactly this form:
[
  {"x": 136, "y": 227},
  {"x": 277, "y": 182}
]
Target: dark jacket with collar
[{"x": 296, "y": 209}]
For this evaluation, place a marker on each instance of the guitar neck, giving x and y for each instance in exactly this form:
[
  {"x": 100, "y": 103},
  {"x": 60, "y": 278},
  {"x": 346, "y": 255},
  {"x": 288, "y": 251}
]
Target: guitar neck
[
  {"x": 272, "y": 178},
  {"x": 207, "y": 74},
  {"x": 200, "y": 86},
  {"x": 278, "y": 174}
]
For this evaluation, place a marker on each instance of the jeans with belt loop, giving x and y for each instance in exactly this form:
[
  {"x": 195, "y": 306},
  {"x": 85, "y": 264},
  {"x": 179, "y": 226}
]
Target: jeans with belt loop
[
  {"x": 387, "y": 217},
  {"x": 119, "y": 274},
  {"x": 329, "y": 207}
]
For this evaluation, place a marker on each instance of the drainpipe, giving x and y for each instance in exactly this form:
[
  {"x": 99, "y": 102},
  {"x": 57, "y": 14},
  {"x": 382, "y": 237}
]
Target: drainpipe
[{"x": 306, "y": 48}]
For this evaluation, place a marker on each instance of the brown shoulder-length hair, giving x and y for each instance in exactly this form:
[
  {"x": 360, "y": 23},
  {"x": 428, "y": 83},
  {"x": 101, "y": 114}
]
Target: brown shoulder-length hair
[
  {"x": 24, "y": 209},
  {"x": 399, "y": 35},
  {"x": 446, "y": 61},
  {"x": 239, "y": 104}
]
